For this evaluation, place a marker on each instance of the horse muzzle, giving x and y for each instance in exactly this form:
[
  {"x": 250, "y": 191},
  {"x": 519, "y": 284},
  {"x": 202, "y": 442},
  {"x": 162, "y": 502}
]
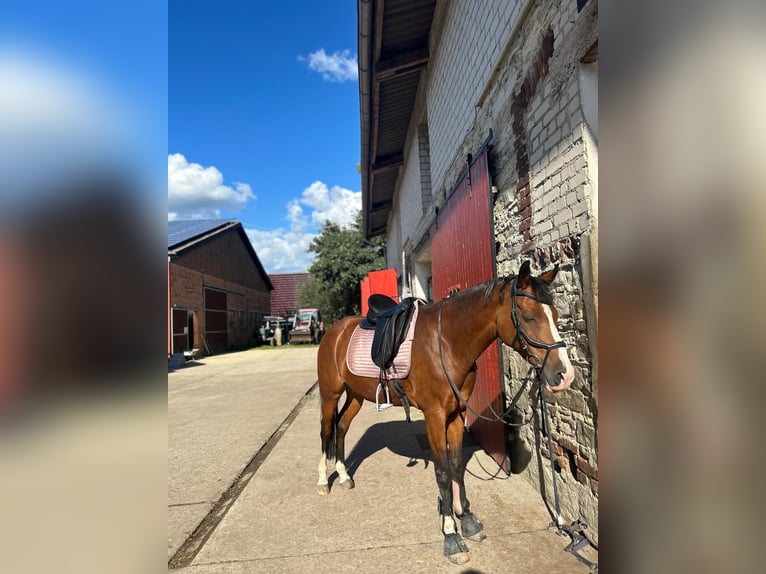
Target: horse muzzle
[{"x": 562, "y": 376}]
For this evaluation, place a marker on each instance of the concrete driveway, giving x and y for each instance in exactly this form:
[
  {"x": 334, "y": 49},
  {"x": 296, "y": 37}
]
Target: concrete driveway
[
  {"x": 221, "y": 412},
  {"x": 244, "y": 442}
]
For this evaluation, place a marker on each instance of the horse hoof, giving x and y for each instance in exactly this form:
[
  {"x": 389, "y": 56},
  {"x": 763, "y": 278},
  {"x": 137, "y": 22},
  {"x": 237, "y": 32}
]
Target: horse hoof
[
  {"x": 459, "y": 558},
  {"x": 323, "y": 489},
  {"x": 347, "y": 484},
  {"x": 455, "y": 549},
  {"x": 471, "y": 527}
]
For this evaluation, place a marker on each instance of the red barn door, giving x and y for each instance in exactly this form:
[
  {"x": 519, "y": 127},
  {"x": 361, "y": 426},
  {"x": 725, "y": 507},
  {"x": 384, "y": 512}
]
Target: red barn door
[{"x": 462, "y": 255}]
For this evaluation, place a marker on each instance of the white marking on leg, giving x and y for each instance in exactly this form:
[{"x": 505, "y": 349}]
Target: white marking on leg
[
  {"x": 322, "y": 470},
  {"x": 342, "y": 473},
  {"x": 561, "y": 352},
  {"x": 448, "y": 525}
]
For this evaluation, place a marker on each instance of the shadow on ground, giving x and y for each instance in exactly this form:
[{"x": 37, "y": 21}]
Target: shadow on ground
[{"x": 408, "y": 440}]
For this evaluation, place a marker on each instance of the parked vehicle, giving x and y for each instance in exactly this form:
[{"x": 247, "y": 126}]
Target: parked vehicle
[
  {"x": 273, "y": 326},
  {"x": 309, "y": 327}
]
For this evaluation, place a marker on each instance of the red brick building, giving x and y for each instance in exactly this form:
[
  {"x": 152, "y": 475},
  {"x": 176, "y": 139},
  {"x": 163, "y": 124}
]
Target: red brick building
[
  {"x": 218, "y": 291},
  {"x": 286, "y": 286}
]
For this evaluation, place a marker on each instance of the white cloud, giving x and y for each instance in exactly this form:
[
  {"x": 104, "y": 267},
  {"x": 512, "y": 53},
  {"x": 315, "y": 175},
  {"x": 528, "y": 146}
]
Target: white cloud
[
  {"x": 286, "y": 250},
  {"x": 195, "y": 191},
  {"x": 336, "y": 204},
  {"x": 282, "y": 251},
  {"x": 335, "y": 67}
]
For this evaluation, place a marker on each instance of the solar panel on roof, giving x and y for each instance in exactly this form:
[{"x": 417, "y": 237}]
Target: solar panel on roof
[{"x": 182, "y": 231}]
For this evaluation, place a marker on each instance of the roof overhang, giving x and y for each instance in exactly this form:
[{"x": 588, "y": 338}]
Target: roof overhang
[
  {"x": 196, "y": 241},
  {"x": 393, "y": 50}
]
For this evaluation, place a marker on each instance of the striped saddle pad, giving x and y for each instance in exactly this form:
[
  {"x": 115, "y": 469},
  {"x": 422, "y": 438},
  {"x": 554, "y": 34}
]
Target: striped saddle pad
[{"x": 359, "y": 355}]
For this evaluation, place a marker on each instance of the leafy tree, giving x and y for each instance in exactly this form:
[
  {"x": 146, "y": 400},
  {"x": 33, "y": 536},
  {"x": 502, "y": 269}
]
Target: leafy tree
[
  {"x": 311, "y": 294},
  {"x": 344, "y": 257}
]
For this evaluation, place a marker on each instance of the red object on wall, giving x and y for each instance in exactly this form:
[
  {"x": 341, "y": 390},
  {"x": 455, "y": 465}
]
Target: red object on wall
[
  {"x": 383, "y": 282},
  {"x": 462, "y": 255}
]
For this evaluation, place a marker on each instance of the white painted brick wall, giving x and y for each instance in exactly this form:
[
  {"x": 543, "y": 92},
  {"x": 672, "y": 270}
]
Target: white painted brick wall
[
  {"x": 462, "y": 58},
  {"x": 410, "y": 198}
]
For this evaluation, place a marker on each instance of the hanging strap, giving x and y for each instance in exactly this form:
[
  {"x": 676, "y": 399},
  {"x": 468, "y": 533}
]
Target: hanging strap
[{"x": 503, "y": 417}]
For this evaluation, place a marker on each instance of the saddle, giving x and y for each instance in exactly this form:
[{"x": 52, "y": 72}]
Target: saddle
[{"x": 390, "y": 321}]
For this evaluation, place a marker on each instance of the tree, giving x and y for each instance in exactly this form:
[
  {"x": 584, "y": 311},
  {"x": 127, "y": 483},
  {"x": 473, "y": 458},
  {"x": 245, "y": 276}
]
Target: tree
[{"x": 344, "y": 257}]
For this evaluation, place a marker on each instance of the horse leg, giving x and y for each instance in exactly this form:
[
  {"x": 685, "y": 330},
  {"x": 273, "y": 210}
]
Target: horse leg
[
  {"x": 327, "y": 434},
  {"x": 348, "y": 412},
  {"x": 454, "y": 548},
  {"x": 470, "y": 526}
]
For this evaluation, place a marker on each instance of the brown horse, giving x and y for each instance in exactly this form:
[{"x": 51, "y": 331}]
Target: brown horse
[{"x": 449, "y": 337}]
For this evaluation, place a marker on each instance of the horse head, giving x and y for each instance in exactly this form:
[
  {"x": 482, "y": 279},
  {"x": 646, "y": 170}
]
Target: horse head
[{"x": 528, "y": 325}]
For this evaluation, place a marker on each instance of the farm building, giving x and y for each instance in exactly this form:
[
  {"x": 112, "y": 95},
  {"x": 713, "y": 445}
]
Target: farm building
[
  {"x": 479, "y": 144},
  {"x": 218, "y": 291},
  {"x": 286, "y": 286}
]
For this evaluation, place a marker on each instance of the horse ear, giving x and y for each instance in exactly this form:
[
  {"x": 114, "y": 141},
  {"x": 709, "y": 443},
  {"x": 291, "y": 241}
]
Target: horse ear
[
  {"x": 549, "y": 276},
  {"x": 524, "y": 275}
]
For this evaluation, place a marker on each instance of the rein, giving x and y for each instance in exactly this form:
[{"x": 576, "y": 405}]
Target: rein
[
  {"x": 574, "y": 531},
  {"x": 525, "y": 340}
]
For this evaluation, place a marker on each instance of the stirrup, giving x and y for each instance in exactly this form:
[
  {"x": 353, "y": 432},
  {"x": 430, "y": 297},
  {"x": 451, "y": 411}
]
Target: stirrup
[{"x": 379, "y": 407}]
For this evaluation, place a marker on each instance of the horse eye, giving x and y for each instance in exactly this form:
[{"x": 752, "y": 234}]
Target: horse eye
[{"x": 530, "y": 319}]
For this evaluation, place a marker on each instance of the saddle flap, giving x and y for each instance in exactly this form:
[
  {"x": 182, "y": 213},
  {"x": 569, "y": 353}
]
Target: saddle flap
[{"x": 390, "y": 331}]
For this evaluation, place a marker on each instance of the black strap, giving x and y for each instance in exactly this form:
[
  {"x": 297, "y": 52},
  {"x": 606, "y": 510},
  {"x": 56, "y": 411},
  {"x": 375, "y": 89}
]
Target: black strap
[
  {"x": 503, "y": 418},
  {"x": 398, "y": 388}
]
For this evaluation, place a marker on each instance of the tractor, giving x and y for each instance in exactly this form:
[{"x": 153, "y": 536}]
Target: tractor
[{"x": 308, "y": 327}]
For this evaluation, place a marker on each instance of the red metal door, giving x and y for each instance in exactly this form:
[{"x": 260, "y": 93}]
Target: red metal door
[{"x": 462, "y": 255}]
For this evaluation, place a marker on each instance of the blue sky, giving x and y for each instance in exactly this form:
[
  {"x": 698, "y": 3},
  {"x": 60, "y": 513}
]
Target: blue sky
[{"x": 263, "y": 119}]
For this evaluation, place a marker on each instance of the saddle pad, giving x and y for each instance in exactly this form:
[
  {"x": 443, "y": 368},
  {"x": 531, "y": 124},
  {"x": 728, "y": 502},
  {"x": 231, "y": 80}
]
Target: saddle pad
[{"x": 359, "y": 354}]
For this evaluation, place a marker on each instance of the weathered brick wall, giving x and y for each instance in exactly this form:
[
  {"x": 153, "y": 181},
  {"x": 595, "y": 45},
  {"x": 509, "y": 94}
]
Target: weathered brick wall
[
  {"x": 409, "y": 189},
  {"x": 494, "y": 66},
  {"x": 519, "y": 78},
  {"x": 544, "y": 211}
]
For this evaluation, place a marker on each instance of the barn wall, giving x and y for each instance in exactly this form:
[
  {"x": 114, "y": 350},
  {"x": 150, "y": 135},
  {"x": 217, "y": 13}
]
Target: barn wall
[
  {"x": 223, "y": 263},
  {"x": 467, "y": 38},
  {"x": 517, "y": 69},
  {"x": 226, "y": 256}
]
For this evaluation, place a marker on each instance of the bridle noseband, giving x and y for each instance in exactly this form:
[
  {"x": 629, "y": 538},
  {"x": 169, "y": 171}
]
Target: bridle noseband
[{"x": 525, "y": 341}]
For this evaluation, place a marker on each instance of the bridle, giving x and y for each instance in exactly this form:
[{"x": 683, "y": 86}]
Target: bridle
[{"x": 525, "y": 341}]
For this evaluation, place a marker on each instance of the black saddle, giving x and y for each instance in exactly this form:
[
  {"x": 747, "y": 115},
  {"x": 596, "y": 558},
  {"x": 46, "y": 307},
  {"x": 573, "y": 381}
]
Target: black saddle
[{"x": 390, "y": 322}]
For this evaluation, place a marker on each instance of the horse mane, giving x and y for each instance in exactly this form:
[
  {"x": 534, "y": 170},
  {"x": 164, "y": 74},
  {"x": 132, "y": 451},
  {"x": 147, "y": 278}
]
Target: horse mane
[{"x": 502, "y": 284}]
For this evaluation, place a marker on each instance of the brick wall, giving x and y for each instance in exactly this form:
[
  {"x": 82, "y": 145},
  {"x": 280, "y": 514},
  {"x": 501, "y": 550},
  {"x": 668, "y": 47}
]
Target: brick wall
[
  {"x": 544, "y": 212},
  {"x": 467, "y": 40},
  {"x": 491, "y": 69},
  {"x": 410, "y": 199}
]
